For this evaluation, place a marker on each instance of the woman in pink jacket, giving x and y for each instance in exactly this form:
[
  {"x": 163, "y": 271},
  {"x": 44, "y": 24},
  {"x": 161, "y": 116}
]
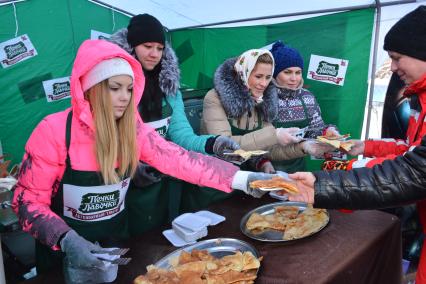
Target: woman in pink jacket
[{"x": 78, "y": 162}]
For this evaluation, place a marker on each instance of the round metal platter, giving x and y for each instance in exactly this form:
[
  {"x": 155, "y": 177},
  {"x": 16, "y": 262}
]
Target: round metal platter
[
  {"x": 216, "y": 247},
  {"x": 273, "y": 235}
]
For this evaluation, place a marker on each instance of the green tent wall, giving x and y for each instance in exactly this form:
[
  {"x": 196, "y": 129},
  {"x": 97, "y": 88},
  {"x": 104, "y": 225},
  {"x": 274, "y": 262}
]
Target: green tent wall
[
  {"x": 56, "y": 28},
  {"x": 344, "y": 35}
]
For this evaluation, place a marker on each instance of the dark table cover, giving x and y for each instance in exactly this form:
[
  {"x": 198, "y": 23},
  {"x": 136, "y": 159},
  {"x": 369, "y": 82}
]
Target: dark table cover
[{"x": 358, "y": 247}]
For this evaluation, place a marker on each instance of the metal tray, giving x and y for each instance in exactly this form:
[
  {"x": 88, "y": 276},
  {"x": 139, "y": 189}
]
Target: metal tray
[
  {"x": 273, "y": 235},
  {"x": 217, "y": 247}
]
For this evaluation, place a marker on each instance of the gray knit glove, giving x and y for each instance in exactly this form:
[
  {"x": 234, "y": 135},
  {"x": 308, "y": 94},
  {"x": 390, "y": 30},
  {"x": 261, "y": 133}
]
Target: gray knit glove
[
  {"x": 224, "y": 144},
  {"x": 79, "y": 251}
]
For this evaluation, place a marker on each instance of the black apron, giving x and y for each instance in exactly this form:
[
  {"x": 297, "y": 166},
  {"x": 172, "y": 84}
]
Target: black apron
[
  {"x": 154, "y": 205},
  {"x": 298, "y": 164},
  {"x": 97, "y": 201},
  {"x": 195, "y": 198},
  {"x": 243, "y": 131}
]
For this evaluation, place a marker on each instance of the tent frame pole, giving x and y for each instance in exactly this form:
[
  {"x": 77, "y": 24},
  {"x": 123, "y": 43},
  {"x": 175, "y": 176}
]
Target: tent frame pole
[{"x": 373, "y": 69}]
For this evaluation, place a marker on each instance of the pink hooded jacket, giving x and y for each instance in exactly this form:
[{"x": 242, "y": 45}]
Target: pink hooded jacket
[{"x": 45, "y": 152}]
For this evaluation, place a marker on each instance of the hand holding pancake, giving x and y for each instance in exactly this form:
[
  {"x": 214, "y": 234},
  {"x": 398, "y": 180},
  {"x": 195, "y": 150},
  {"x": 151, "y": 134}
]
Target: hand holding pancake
[{"x": 305, "y": 184}]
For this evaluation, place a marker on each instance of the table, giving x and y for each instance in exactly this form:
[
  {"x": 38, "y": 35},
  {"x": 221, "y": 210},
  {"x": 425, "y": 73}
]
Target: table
[{"x": 359, "y": 247}]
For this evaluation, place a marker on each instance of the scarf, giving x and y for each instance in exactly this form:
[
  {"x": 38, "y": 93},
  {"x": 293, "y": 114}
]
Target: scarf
[
  {"x": 247, "y": 61},
  {"x": 150, "y": 106}
]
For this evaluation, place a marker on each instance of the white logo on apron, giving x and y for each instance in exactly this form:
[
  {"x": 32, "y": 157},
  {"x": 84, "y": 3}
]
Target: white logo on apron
[
  {"x": 161, "y": 126},
  {"x": 94, "y": 203}
]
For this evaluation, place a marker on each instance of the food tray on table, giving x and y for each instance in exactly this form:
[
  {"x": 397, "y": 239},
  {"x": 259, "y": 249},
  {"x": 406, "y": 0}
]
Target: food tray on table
[
  {"x": 219, "y": 248},
  {"x": 289, "y": 220}
]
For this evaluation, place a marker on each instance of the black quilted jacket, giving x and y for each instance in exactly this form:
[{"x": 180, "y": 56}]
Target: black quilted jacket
[{"x": 392, "y": 183}]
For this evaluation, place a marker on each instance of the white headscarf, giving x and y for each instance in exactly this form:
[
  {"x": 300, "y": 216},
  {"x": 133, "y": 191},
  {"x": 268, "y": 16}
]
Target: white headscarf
[{"x": 246, "y": 62}]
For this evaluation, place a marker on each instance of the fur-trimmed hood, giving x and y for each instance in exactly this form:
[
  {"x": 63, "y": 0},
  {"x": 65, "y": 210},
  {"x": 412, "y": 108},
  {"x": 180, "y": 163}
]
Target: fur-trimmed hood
[
  {"x": 169, "y": 75},
  {"x": 235, "y": 96}
]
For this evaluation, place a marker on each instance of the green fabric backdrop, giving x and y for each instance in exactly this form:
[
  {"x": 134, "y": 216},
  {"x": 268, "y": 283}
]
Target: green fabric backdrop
[
  {"x": 344, "y": 35},
  {"x": 56, "y": 28}
]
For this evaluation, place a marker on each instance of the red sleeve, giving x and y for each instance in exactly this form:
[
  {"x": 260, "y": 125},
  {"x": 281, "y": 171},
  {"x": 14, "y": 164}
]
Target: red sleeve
[{"x": 385, "y": 147}]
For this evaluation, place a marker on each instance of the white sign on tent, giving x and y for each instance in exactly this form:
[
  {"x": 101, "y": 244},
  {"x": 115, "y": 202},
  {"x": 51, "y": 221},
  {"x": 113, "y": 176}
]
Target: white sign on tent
[
  {"x": 57, "y": 89},
  {"x": 327, "y": 69},
  {"x": 94, "y": 34},
  {"x": 16, "y": 50}
]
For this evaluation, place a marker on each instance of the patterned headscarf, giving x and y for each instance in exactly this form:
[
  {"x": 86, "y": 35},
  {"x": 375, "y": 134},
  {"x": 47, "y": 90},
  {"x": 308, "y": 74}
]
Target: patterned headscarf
[{"x": 246, "y": 62}]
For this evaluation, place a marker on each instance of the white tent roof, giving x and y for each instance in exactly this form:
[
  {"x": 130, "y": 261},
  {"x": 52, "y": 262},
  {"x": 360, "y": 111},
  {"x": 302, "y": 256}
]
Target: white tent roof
[{"x": 184, "y": 13}]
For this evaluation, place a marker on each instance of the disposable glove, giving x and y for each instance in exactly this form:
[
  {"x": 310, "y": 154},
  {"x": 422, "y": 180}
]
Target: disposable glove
[
  {"x": 287, "y": 136},
  {"x": 282, "y": 174},
  {"x": 242, "y": 181},
  {"x": 224, "y": 144},
  {"x": 316, "y": 149},
  {"x": 358, "y": 148},
  {"x": 79, "y": 252},
  {"x": 332, "y": 131}
]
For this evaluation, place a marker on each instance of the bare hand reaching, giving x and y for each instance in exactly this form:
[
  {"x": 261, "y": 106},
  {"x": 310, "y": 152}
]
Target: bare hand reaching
[{"x": 305, "y": 183}]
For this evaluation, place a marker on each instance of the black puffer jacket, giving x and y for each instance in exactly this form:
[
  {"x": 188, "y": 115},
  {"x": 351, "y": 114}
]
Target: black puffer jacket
[{"x": 393, "y": 183}]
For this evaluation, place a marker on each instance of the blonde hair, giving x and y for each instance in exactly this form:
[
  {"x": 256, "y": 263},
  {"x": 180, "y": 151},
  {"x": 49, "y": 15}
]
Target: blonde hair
[
  {"x": 115, "y": 140},
  {"x": 265, "y": 58}
]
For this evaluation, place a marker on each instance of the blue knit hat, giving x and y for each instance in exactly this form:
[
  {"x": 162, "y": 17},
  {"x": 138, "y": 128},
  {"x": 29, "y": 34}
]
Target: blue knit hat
[{"x": 285, "y": 57}]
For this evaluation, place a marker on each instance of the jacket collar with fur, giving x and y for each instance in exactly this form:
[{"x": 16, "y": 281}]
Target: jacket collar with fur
[
  {"x": 235, "y": 96},
  {"x": 169, "y": 75}
]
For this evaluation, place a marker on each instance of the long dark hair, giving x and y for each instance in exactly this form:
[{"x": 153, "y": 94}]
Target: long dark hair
[{"x": 150, "y": 106}]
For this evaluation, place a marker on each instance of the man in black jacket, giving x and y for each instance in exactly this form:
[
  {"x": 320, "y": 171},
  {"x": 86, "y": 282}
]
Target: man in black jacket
[{"x": 394, "y": 182}]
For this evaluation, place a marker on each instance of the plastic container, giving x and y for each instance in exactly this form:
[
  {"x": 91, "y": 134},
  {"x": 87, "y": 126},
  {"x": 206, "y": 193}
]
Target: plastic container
[
  {"x": 213, "y": 217},
  {"x": 175, "y": 239},
  {"x": 188, "y": 235},
  {"x": 191, "y": 222},
  {"x": 73, "y": 275}
]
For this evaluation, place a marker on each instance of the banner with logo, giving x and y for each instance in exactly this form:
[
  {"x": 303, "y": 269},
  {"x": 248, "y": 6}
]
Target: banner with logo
[
  {"x": 327, "y": 69},
  {"x": 57, "y": 89},
  {"x": 16, "y": 50},
  {"x": 98, "y": 35}
]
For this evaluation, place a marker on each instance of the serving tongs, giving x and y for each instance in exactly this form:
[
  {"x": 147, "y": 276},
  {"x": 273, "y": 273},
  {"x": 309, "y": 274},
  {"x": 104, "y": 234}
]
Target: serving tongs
[
  {"x": 117, "y": 251},
  {"x": 118, "y": 261},
  {"x": 237, "y": 159}
]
